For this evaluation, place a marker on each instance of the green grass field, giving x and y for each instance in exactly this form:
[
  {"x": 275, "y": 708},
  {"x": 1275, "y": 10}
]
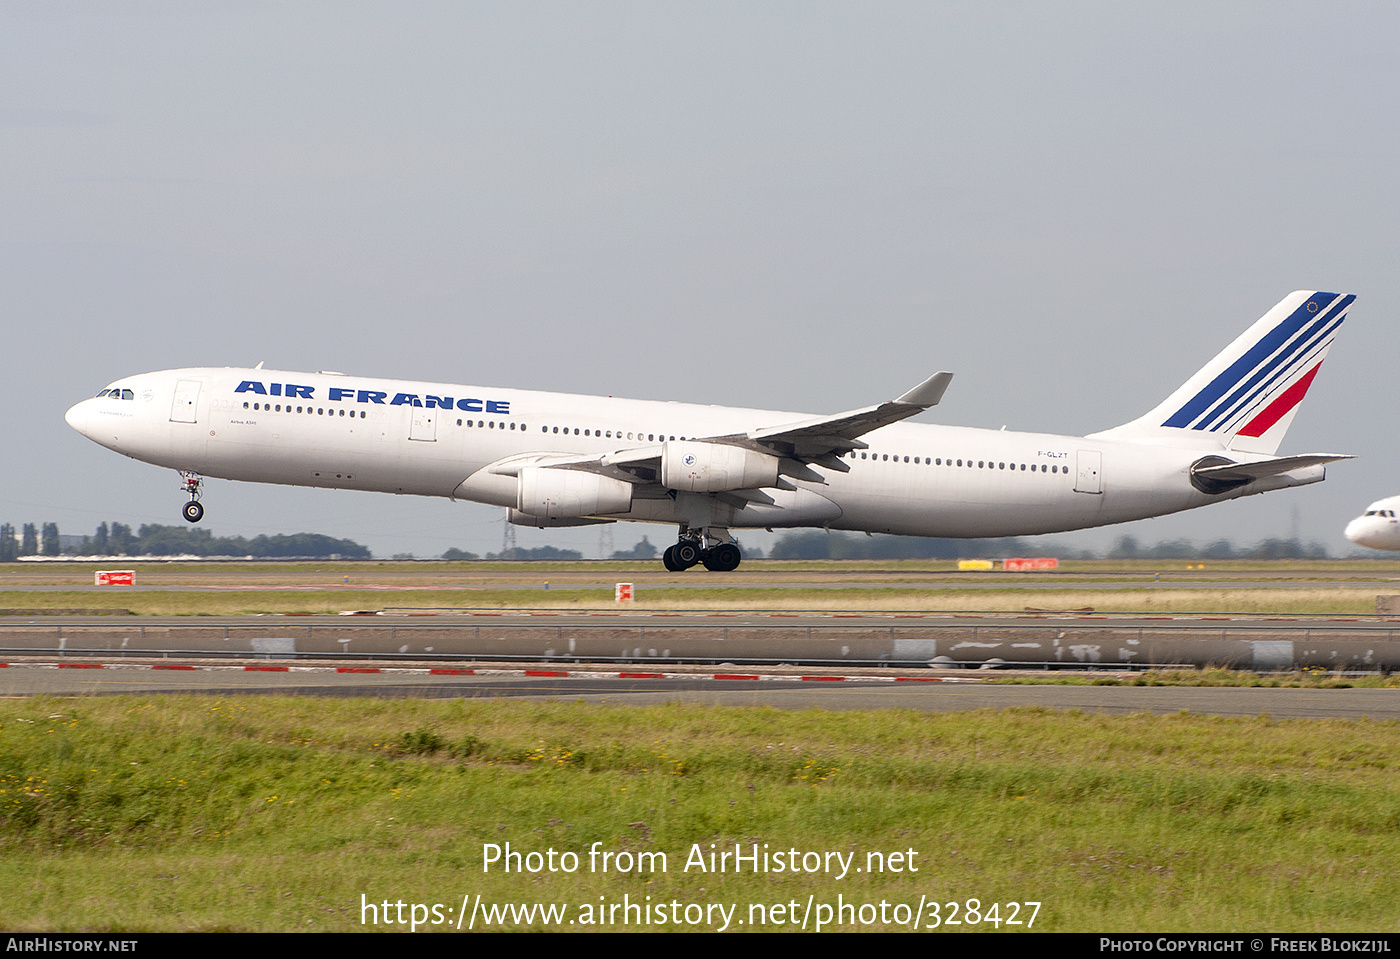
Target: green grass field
[
  {"x": 1335, "y": 601},
  {"x": 187, "y": 813},
  {"x": 1168, "y": 586}
]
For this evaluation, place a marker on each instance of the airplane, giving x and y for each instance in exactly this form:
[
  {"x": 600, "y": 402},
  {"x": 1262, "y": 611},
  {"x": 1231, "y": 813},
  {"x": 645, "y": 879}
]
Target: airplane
[
  {"x": 558, "y": 460},
  {"x": 1378, "y": 527}
]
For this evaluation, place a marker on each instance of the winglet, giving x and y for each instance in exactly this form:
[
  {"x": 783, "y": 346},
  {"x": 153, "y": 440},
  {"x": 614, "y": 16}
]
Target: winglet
[{"x": 929, "y": 392}]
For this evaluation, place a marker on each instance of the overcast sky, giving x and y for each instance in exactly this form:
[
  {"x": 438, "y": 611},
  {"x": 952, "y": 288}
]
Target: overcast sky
[{"x": 807, "y": 206}]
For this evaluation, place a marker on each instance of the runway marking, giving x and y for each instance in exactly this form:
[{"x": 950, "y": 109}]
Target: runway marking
[{"x": 501, "y": 672}]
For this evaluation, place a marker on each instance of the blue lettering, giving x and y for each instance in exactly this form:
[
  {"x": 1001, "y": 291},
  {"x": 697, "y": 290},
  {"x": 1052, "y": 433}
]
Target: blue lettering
[
  {"x": 298, "y": 392},
  {"x": 276, "y": 389},
  {"x": 251, "y": 386},
  {"x": 495, "y": 406},
  {"x": 338, "y": 394},
  {"x": 471, "y": 406},
  {"x": 371, "y": 396},
  {"x": 405, "y": 399},
  {"x": 441, "y": 402}
]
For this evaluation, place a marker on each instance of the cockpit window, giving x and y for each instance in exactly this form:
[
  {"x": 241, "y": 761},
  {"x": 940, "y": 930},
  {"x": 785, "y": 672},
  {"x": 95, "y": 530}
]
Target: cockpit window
[
  {"x": 117, "y": 393},
  {"x": 104, "y": 393}
]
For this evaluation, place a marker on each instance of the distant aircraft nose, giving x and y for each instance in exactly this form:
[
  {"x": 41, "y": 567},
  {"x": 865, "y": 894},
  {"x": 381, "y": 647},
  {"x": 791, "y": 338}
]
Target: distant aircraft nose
[
  {"x": 77, "y": 416},
  {"x": 1362, "y": 532}
]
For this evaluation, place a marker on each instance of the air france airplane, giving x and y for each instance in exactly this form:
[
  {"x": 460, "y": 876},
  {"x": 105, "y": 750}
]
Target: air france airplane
[
  {"x": 1378, "y": 527},
  {"x": 555, "y": 459}
]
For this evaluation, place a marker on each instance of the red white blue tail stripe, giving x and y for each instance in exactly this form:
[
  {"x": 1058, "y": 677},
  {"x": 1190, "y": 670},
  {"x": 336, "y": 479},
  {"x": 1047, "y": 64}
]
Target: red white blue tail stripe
[{"x": 1268, "y": 380}]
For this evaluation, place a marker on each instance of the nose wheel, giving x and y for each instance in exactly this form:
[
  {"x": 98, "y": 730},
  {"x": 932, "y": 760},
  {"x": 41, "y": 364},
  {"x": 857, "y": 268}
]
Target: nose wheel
[{"x": 193, "y": 510}]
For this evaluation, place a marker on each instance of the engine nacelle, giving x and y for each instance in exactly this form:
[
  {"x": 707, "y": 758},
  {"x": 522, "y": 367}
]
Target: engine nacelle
[
  {"x": 518, "y": 518},
  {"x": 563, "y": 493},
  {"x": 715, "y": 467}
]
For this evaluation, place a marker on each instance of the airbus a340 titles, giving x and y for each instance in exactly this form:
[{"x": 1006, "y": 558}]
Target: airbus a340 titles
[{"x": 556, "y": 459}]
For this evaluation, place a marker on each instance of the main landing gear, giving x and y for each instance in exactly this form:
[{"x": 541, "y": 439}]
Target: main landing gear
[
  {"x": 721, "y": 557},
  {"x": 193, "y": 511}
]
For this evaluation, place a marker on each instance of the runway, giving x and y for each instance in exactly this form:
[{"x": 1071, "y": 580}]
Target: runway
[
  {"x": 788, "y": 692},
  {"x": 1049, "y": 640}
]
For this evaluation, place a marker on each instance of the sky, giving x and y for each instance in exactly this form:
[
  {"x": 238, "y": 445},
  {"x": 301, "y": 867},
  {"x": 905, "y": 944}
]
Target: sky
[{"x": 806, "y": 206}]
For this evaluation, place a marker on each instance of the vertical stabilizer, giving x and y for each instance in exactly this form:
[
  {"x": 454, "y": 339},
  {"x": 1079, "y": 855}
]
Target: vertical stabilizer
[{"x": 1245, "y": 398}]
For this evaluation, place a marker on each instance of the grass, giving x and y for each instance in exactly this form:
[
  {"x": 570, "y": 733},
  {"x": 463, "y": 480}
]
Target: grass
[
  {"x": 190, "y": 813},
  {"x": 1152, "y": 586},
  {"x": 1292, "y": 601}
]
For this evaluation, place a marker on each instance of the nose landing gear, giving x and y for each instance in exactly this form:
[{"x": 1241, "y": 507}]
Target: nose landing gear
[{"x": 193, "y": 511}]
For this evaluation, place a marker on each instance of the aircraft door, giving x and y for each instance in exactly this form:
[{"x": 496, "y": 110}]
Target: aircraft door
[
  {"x": 424, "y": 425},
  {"x": 186, "y": 402},
  {"x": 1088, "y": 478}
]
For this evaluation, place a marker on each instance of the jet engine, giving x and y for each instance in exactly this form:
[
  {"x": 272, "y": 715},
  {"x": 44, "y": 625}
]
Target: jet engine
[
  {"x": 559, "y": 493},
  {"x": 715, "y": 467}
]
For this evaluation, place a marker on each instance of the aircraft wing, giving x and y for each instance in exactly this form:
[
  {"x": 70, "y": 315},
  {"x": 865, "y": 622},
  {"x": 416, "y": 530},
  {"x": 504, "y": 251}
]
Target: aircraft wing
[
  {"x": 811, "y": 439},
  {"x": 639, "y": 465},
  {"x": 798, "y": 446}
]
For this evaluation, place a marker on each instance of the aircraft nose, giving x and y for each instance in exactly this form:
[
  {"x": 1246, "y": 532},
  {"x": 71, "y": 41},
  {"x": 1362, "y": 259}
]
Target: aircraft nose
[
  {"x": 1358, "y": 531},
  {"x": 77, "y": 417}
]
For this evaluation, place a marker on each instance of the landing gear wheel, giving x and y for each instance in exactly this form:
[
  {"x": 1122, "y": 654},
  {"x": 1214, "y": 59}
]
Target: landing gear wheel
[
  {"x": 723, "y": 558},
  {"x": 686, "y": 553},
  {"x": 669, "y": 561},
  {"x": 193, "y": 512}
]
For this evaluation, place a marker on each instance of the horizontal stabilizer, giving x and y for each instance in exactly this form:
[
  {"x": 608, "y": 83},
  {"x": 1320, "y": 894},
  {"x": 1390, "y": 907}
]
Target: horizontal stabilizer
[{"x": 1253, "y": 471}]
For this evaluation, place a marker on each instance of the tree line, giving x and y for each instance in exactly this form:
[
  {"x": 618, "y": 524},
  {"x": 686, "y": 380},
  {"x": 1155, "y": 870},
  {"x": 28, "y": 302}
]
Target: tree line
[
  {"x": 151, "y": 539},
  {"x": 118, "y": 539},
  {"x": 815, "y": 544}
]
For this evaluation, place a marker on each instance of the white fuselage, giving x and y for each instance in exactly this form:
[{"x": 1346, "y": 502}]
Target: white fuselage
[
  {"x": 430, "y": 439},
  {"x": 1378, "y": 527}
]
